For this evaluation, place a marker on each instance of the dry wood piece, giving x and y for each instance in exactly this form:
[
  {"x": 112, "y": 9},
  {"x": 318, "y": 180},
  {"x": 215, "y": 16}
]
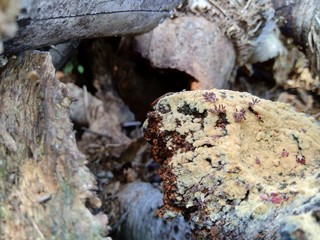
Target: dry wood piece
[
  {"x": 249, "y": 24},
  {"x": 43, "y": 23},
  {"x": 44, "y": 183},
  {"x": 237, "y": 166},
  {"x": 193, "y": 45},
  {"x": 9, "y": 9},
  {"x": 300, "y": 20},
  {"x": 139, "y": 201},
  {"x": 104, "y": 135}
]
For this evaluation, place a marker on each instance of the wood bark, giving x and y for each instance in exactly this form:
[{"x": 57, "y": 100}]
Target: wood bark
[
  {"x": 193, "y": 45},
  {"x": 43, "y": 23},
  {"x": 139, "y": 202},
  {"x": 44, "y": 183},
  {"x": 300, "y": 20}
]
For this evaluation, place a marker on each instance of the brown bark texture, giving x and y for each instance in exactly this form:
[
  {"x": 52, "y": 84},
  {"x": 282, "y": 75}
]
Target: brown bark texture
[
  {"x": 44, "y": 183},
  {"x": 43, "y": 23},
  {"x": 300, "y": 20}
]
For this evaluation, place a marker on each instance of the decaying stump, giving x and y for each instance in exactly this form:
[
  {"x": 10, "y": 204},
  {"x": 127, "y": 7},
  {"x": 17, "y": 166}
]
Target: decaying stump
[
  {"x": 44, "y": 182},
  {"x": 237, "y": 166}
]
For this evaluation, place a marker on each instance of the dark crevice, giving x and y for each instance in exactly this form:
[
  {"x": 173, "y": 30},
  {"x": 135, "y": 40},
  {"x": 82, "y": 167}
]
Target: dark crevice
[
  {"x": 95, "y": 14},
  {"x": 186, "y": 109},
  {"x": 256, "y": 114},
  {"x": 297, "y": 141}
]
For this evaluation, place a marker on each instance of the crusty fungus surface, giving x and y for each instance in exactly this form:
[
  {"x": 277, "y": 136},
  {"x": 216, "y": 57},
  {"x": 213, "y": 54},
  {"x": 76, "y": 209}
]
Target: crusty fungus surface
[{"x": 229, "y": 159}]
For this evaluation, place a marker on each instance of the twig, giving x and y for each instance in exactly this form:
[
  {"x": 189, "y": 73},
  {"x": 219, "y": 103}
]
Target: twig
[
  {"x": 217, "y": 7},
  {"x": 131, "y": 124},
  {"x": 86, "y": 103},
  {"x": 248, "y": 4}
]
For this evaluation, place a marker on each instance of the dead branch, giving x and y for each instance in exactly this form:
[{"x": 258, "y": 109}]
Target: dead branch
[{"x": 46, "y": 22}]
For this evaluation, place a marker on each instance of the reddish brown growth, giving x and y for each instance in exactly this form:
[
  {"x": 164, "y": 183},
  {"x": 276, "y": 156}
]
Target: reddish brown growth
[
  {"x": 258, "y": 161},
  {"x": 273, "y": 197},
  {"x": 301, "y": 159},
  {"x": 284, "y": 153},
  {"x": 209, "y": 97},
  {"x": 216, "y": 136},
  {"x": 239, "y": 115}
]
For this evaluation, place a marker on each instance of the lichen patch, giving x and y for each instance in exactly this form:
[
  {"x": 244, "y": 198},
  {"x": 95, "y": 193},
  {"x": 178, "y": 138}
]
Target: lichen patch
[{"x": 246, "y": 157}]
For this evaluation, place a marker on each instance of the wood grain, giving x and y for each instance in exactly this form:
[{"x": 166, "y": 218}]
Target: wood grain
[{"x": 43, "y": 23}]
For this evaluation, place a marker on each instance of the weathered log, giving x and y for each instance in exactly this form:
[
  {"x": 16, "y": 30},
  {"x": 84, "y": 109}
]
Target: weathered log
[
  {"x": 139, "y": 202},
  {"x": 62, "y": 52},
  {"x": 46, "y": 22},
  {"x": 300, "y": 20},
  {"x": 190, "y": 44},
  {"x": 248, "y": 24},
  {"x": 44, "y": 183},
  {"x": 238, "y": 167}
]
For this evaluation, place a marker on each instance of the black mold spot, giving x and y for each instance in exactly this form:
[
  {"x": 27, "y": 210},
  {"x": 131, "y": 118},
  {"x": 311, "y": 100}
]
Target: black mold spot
[
  {"x": 222, "y": 120},
  {"x": 178, "y": 122},
  {"x": 164, "y": 108},
  {"x": 316, "y": 215},
  {"x": 23, "y": 11},
  {"x": 255, "y": 113},
  {"x": 207, "y": 145},
  {"x": 187, "y": 110},
  {"x": 223, "y": 94},
  {"x": 24, "y": 22}
]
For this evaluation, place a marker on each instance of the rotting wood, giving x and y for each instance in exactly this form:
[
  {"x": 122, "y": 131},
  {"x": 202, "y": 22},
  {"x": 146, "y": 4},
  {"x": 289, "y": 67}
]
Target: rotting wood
[
  {"x": 190, "y": 44},
  {"x": 236, "y": 166},
  {"x": 44, "y": 183}
]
